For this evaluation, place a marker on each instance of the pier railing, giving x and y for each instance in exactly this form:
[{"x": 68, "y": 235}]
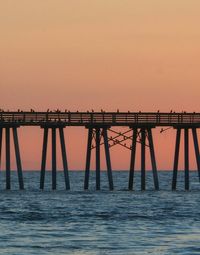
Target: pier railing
[{"x": 105, "y": 118}]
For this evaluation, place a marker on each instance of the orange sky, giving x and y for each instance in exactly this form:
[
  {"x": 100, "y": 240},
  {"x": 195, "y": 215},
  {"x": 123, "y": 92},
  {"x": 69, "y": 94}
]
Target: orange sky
[{"x": 75, "y": 54}]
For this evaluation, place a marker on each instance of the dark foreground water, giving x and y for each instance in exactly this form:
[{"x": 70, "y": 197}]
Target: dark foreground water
[{"x": 104, "y": 222}]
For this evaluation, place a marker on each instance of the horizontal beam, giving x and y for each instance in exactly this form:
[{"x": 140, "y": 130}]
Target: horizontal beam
[{"x": 66, "y": 118}]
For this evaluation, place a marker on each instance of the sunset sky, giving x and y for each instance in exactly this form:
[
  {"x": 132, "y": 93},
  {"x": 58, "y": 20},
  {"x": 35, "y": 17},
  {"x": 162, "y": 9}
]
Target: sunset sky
[{"x": 111, "y": 54}]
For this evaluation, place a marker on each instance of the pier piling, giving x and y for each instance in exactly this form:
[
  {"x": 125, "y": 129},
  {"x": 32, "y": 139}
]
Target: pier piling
[
  {"x": 146, "y": 135},
  {"x": 186, "y": 155},
  {"x": 8, "y": 129},
  {"x": 143, "y": 159},
  {"x": 44, "y": 157},
  {"x": 1, "y": 132},
  {"x": 96, "y": 133},
  {"x": 153, "y": 159},
  {"x": 88, "y": 158},
  {"x": 186, "y": 151},
  {"x": 132, "y": 163},
  {"x": 18, "y": 158},
  {"x": 176, "y": 158},
  {"x": 54, "y": 156},
  {"x": 108, "y": 161},
  {"x": 64, "y": 158},
  {"x": 8, "y": 185},
  {"x": 196, "y": 148}
]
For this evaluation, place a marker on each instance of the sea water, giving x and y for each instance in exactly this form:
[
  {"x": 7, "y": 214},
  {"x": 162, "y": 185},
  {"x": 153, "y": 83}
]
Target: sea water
[{"x": 99, "y": 222}]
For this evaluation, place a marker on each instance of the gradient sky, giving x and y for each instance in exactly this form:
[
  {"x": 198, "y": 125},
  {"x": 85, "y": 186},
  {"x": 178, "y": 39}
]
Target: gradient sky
[{"x": 110, "y": 54}]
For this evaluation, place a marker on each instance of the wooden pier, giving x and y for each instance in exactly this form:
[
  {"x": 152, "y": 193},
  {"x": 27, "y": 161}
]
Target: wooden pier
[{"x": 139, "y": 124}]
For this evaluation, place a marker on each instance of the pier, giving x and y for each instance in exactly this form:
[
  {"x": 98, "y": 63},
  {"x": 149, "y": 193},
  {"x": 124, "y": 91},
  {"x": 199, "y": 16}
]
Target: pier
[{"x": 140, "y": 126}]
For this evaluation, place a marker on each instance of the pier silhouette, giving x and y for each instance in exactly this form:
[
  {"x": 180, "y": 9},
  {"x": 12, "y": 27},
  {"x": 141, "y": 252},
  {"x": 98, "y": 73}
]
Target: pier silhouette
[{"x": 140, "y": 126}]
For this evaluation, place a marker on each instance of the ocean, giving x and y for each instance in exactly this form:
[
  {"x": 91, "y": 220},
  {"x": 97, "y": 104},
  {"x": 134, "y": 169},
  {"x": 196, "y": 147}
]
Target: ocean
[{"x": 93, "y": 222}]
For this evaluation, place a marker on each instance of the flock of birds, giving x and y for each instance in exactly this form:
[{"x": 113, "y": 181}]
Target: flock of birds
[{"x": 58, "y": 111}]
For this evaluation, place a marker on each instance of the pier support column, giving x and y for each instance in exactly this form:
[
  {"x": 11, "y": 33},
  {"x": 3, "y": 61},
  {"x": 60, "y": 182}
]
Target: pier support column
[
  {"x": 186, "y": 155},
  {"x": 95, "y": 134},
  {"x": 133, "y": 155},
  {"x": 97, "y": 158},
  {"x": 108, "y": 161},
  {"x": 1, "y": 132},
  {"x": 54, "y": 157},
  {"x": 88, "y": 158},
  {"x": 143, "y": 159},
  {"x": 8, "y": 130},
  {"x": 18, "y": 159},
  {"x": 176, "y": 157},
  {"x": 64, "y": 158},
  {"x": 146, "y": 136},
  {"x": 44, "y": 158},
  {"x": 186, "y": 152},
  {"x": 8, "y": 185},
  {"x": 153, "y": 159},
  {"x": 196, "y": 148}
]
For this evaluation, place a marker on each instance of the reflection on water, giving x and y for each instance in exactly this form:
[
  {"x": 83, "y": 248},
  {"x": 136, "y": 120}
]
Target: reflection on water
[{"x": 103, "y": 222}]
